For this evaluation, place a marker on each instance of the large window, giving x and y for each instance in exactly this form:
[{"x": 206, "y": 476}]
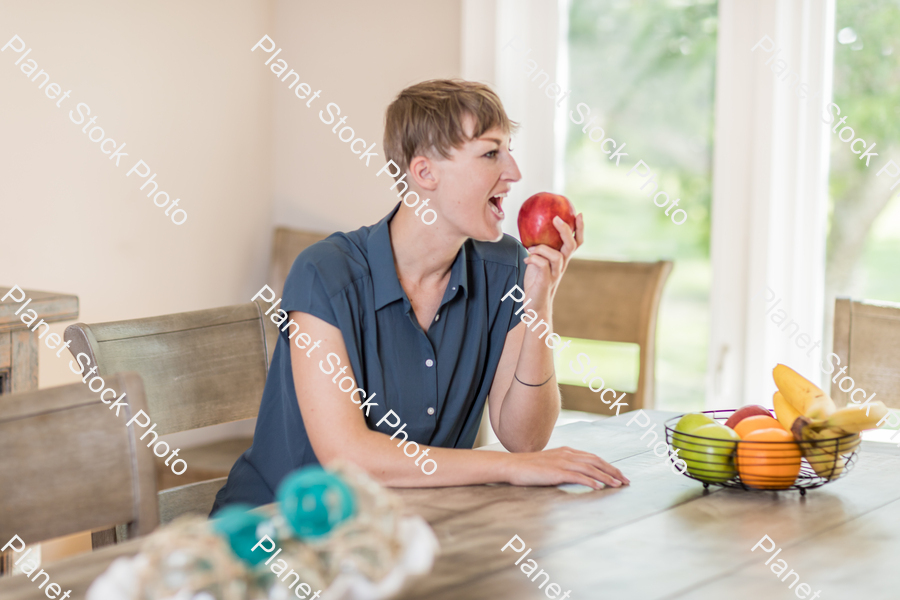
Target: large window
[
  {"x": 863, "y": 251},
  {"x": 647, "y": 72}
]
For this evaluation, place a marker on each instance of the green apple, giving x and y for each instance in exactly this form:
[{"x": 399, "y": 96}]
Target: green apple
[
  {"x": 687, "y": 424},
  {"x": 710, "y": 455},
  {"x": 691, "y": 421}
]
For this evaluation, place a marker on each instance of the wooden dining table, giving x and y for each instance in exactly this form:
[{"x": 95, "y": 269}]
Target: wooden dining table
[{"x": 662, "y": 537}]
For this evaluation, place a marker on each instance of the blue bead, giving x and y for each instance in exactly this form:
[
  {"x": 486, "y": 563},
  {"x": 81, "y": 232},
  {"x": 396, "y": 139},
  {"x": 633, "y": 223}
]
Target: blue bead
[
  {"x": 242, "y": 529},
  {"x": 314, "y": 501}
]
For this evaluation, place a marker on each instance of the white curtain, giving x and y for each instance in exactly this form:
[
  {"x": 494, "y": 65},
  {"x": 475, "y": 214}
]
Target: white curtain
[
  {"x": 497, "y": 37},
  {"x": 769, "y": 195}
]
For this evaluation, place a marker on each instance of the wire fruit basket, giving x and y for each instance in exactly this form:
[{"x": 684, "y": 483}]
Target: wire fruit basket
[{"x": 761, "y": 465}]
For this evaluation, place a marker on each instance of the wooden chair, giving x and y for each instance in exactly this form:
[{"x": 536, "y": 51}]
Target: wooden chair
[
  {"x": 19, "y": 346},
  {"x": 69, "y": 464},
  {"x": 194, "y": 498},
  {"x": 199, "y": 368},
  {"x": 867, "y": 340},
  {"x": 608, "y": 301},
  {"x": 286, "y": 245},
  {"x": 614, "y": 302}
]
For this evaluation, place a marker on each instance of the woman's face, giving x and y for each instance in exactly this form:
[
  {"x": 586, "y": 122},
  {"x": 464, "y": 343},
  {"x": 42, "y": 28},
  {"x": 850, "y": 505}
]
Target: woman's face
[{"x": 473, "y": 183}]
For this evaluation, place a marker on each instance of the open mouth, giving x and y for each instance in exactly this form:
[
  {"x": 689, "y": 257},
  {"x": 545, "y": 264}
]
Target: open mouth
[{"x": 496, "y": 202}]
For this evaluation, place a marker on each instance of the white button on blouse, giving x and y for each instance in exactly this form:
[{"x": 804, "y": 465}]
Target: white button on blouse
[
  {"x": 430, "y": 411},
  {"x": 429, "y": 362}
]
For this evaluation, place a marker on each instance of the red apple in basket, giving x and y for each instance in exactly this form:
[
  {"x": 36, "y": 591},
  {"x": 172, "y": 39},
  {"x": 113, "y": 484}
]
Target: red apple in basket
[
  {"x": 536, "y": 219},
  {"x": 746, "y": 411}
]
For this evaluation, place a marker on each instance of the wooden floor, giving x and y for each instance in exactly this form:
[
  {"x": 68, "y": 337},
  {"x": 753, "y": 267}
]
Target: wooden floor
[{"x": 663, "y": 537}]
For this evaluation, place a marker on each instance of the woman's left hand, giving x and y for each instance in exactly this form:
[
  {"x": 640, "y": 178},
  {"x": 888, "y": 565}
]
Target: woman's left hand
[{"x": 546, "y": 265}]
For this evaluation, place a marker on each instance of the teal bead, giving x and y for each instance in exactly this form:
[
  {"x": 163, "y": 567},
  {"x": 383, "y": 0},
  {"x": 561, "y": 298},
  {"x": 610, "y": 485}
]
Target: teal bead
[
  {"x": 314, "y": 501},
  {"x": 243, "y": 530}
]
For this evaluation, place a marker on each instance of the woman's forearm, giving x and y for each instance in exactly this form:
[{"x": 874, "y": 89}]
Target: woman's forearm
[
  {"x": 380, "y": 457},
  {"x": 531, "y": 405},
  {"x": 386, "y": 461}
]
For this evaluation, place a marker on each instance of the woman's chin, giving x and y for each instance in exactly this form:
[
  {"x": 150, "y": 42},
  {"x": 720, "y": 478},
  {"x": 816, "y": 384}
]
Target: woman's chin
[{"x": 489, "y": 234}]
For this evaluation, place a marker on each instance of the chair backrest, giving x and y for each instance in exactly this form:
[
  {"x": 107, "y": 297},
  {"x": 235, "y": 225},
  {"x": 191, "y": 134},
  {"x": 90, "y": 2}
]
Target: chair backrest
[
  {"x": 867, "y": 340},
  {"x": 615, "y": 302},
  {"x": 286, "y": 245},
  {"x": 199, "y": 368},
  {"x": 70, "y": 464},
  {"x": 194, "y": 498}
]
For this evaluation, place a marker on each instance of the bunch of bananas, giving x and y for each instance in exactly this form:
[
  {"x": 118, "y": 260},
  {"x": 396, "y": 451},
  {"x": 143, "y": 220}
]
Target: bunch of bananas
[{"x": 826, "y": 433}]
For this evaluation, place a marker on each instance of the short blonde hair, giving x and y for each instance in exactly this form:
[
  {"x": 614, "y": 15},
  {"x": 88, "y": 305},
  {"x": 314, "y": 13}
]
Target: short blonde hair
[{"x": 428, "y": 117}]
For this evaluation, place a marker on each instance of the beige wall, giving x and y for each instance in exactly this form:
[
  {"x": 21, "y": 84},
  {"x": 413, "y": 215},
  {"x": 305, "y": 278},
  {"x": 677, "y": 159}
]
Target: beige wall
[
  {"x": 174, "y": 81},
  {"x": 360, "y": 54},
  {"x": 177, "y": 83}
]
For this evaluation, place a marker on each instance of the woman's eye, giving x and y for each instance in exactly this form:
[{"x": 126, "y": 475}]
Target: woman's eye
[{"x": 491, "y": 154}]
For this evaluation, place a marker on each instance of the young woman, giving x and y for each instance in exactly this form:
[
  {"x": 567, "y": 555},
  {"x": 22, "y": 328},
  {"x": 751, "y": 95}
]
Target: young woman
[{"x": 406, "y": 336}]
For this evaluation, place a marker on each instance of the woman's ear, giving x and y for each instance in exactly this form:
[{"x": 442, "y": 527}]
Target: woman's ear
[{"x": 421, "y": 170}]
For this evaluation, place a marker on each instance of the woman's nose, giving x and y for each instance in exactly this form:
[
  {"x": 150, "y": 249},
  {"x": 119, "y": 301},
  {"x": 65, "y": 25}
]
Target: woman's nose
[{"x": 512, "y": 173}]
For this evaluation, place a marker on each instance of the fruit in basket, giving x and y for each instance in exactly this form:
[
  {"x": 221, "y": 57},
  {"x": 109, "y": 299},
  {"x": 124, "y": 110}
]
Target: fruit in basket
[
  {"x": 825, "y": 463},
  {"x": 795, "y": 388},
  {"x": 755, "y": 423},
  {"x": 848, "y": 420},
  {"x": 797, "y": 397},
  {"x": 687, "y": 424},
  {"x": 535, "y": 219},
  {"x": 853, "y": 418},
  {"x": 827, "y": 439},
  {"x": 802, "y": 394},
  {"x": 709, "y": 455},
  {"x": 691, "y": 421},
  {"x": 823, "y": 443},
  {"x": 768, "y": 459},
  {"x": 826, "y": 442},
  {"x": 826, "y": 435},
  {"x": 746, "y": 411},
  {"x": 824, "y": 451},
  {"x": 822, "y": 407},
  {"x": 785, "y": 411}
]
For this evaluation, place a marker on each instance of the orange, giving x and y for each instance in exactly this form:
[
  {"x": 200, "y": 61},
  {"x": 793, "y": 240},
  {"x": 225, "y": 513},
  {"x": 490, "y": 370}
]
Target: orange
[
  {"x": 754, "y": 423},
  {"x": 768, "y": 459}
]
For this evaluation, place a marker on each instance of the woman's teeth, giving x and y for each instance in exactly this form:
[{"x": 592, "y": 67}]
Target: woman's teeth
[{"x": 495, "y": 202}]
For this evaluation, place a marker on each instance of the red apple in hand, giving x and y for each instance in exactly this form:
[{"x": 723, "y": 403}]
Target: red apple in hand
[{"x": 536, "y": 219}]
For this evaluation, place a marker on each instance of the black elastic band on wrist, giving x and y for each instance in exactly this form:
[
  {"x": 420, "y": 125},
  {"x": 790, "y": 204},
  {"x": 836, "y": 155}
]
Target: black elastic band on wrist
[{"x": 533, "y": 384}]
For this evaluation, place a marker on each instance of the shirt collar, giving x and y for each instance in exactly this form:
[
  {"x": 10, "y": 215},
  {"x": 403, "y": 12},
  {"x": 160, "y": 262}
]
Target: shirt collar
[{"x": 384, "y": 274}]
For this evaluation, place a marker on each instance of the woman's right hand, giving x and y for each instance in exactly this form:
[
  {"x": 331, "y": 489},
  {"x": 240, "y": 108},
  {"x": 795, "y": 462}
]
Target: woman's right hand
[{"x": 562, "y": 465}]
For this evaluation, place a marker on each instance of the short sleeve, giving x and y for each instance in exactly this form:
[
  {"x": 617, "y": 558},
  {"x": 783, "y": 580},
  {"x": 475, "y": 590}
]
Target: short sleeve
[
  {"x": 519, "y": 275},
  {"x": 305, "y": 289}
]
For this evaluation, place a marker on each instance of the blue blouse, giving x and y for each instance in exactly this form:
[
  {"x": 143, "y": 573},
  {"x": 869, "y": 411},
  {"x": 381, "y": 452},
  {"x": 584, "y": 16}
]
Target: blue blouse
[{"x": 436, "y": 381}]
